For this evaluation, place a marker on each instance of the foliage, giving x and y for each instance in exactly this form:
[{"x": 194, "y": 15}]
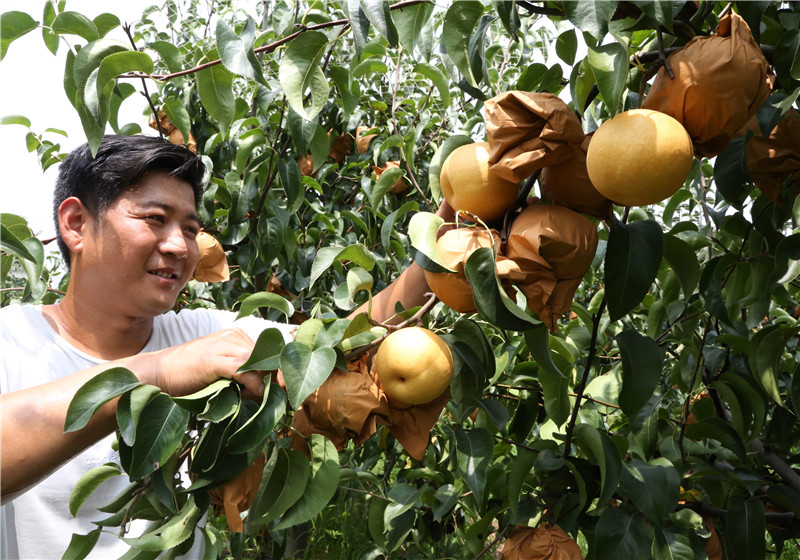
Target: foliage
[{"x": 668, "y": 396}]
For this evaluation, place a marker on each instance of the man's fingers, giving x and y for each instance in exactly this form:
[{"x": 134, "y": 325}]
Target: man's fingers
[{"x": 253, "y": 382}]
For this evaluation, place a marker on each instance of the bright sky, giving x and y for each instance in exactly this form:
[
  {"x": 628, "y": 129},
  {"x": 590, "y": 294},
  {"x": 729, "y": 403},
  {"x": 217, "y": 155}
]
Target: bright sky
[{"x": 32, "y": 87}]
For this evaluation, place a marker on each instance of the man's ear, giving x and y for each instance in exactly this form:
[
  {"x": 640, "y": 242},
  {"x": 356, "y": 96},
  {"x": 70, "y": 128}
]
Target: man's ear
[{"x": 72, "y": 223}]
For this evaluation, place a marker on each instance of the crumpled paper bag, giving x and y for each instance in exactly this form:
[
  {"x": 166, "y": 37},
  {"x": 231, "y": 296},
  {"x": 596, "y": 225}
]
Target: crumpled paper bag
[
  {"x": 528, "y": 131},
  {"x": 173, "y": 134},
  {"x": 341, "y": 147},
  {"x": 455, "y": 247},
  {"x": 771, "y": 160},
  {"x": 568, "y": 184},
  {"x": 554, "y": 247},
  {"x": 545, "y": 542},
  {"x": 237, "y": 494},
  {"x": 363, "y": 140},
  {"x": 720, "y": 82},
  {"x": 213, "y": 264},
  {"x": 340, "y": 409}
]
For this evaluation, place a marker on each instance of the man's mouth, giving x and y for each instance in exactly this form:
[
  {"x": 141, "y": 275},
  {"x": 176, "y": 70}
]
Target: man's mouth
[{"x": 164, "y": 274}]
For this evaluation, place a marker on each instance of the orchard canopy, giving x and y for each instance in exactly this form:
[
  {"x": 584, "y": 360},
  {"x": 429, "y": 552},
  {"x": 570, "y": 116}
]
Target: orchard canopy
[{"x": 650, "y": 412}]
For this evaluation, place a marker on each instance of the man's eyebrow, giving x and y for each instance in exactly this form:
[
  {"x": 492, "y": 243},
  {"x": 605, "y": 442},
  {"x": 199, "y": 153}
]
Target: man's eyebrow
[{"x": 168, "y": 208}]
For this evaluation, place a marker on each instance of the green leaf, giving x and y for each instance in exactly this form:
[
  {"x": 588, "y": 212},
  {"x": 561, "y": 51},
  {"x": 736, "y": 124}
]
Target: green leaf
[
  {"x": 591, "y": 16},
  {"x": 236, "y": 52},
  {"x": 508, "y": 15},
  {"x": 438, "y": 159},
  {"x": 555, "y": 385},
  {"x": 730, "y": 172},
  {"x": 720, "y": 430},
  {"x": 10, "y": 243},
  {"x": 621, "y": 534},
  {"x": 787, "y": 55},
  {"x": 422, "y": 230},
  {"x": 745, "y": 524},
  {"x": 359, "y": 23},
  {"x": 653, "y": 488},
  {"x": 95, "y": 393},
  {"x": 112, "y": 66},
  {"x": 179, "y": 116},
  {"x": 73, "y": 23},
  {"x": 266, "y": 353},
  {"x": 50, "y": 39},
  {"x": 520, "y": 470},
  {"x": 387, "y": 227},
  {"x": 491, "y": 300},
  {"x": 683, "y": 260},
  {"x": 474, "y": 452},
  {"x": 669, "y": 545},
  {"x": 642, "y": 359},
  {"x": 609, "y": 64},
  {"x": 321, "y": 486},
  {"x": 300, "y": 71},
  {"x": 633, "y": 257},
  {"x": 766, "y": 348},
  {"x": 158, "y": 435},
  {"x": 80, "y": 546},
  {"x": 16, "y": 119},
  {"x": 215, "y": 88},
  {"x": 443, "y": 87},
  {"x": 304, "y": 370},
  {"x": 459, "y": 22},
  {"x": 129, "y": 410},
  {"x": 14, "y": 25},
  {"x": 357, "y": 253},
  {"x": 410, "y": 22},
  {"x": 445, "y": 497},
  {"x": 88, "y": 483},
  {"x": 252, "y": 434},
  {"x": 388, "y": 178},
  {"x": 567, "y": 46},
  {"x": 599, "y": 448},
  {"x": 264, "y": 299},
  {"x": 173, "y": 532},
  {"x": 659, "y": 11},
  {"x": 105, "y": 23},
  {"x": 378, "y": 14},
  {"x": 358, "y": 279},
  {"x": 170, "y": 54},
  {"x": 196, "y": 402},
  {"x": 284, "y": 481}
]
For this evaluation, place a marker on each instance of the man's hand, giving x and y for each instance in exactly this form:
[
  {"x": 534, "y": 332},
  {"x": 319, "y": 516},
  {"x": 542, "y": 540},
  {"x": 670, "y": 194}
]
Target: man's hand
[{"x": 189, "y": 367}]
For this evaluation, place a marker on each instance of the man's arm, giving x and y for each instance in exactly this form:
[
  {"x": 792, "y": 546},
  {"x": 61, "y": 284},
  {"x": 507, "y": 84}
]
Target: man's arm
[{"x": 32, "y": 434}]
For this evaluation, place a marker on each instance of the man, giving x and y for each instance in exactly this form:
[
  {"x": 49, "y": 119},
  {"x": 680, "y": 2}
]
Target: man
[{"x": 126, "y": 223}]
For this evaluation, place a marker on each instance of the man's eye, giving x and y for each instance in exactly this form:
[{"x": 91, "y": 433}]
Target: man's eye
[
  {"x": 157, "y": 218},
  {"x": 193, "y": 231}
]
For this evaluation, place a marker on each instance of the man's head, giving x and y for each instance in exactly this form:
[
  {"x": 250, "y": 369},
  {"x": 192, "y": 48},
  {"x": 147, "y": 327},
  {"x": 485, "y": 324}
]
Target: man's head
[{"x": 120, "y": 163}]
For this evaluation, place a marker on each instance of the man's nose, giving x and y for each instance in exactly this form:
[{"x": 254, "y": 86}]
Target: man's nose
[{"x": 174, "y": 243}]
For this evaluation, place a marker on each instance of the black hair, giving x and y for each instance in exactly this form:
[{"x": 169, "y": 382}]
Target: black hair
[{"x": 121, "y": 162}]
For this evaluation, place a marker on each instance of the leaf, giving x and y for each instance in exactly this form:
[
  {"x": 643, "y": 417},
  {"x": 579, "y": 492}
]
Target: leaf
[
  {"x": 621, "y": 534},
  {"x": 609, "y": 64},
  {"x": 80, "y": 546},
  {"x": 357, "y": 253},
  {"x": 10, "y": 243},
  {"x": 173, "y": 532},
  {"x": 653, "y": 488},
  {"x": 358, "y": 279},
  {"x": 730, "y": 172},
  {"x": 179, "y": 116},
  {"x": 73, "y": 23},
  {"x": 129, "y": 410},
  {"x": 95, "y": 393},
  {"x": 284, "y": 481},
  {"x": 88, "y": 483},
  {"x": 300, "y": 71},
  {"x": 520, "y": 470},
  {"x": 766, "y": 348},
  {"x": 14, "y": 25},
  {"x": 443, "y": 87},
  {"x": 599, "y": 448},
  {"x": 236, "y": 52},
  {"x": 105, "y": 23},
  {"x": 642, "y": 359},
  {"x": 508, "y": 15},
  {"x": 256, "y": 430},
  {"x": 113, "y": 65},
  {"x": 633, "y": 257},
  {"x": 196, "y": 402},
  {"x": 491, "y": 300},
  {"x": 158, "y": 435},
  {"x": 720, "y": 430},
  {"x": 683, "y": 260},
  {"x": 459, "y": 22},
  {"x": 170, "y": 54},
  {"x": 321, "y": 486},
  {"x": 387, "y": 227},
  {"x": 304, "y": 370},
  {"x": 567, "y": 46},
  {"x": 591, "y": 16},
  {"x": 745, "y": 524},
  {"x": 410, "y": 22},
  {"x": 474, "y": 451},
  {"x": 264, "y": 299},
  {"x": 669, "y": 545},
  {"x": 215, "y": 88},
  {"x": 388, "y": 178},
  {"x": 359, "y": 23},
  {"x": 555, "y": 385},
  {"x": 378, "y": 14},
  {"x": 787, "y": 55}
]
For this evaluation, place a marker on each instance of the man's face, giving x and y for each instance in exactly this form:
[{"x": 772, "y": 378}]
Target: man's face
[{"x": 142, "y": 251}]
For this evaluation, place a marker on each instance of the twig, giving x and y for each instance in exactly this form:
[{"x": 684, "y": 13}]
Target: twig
[
  {"x": 776, "y": 517},
  {"x": 493, "y": 543},
  {"x": 21, "y": 288},
  {"x": 146, "y": 93}
]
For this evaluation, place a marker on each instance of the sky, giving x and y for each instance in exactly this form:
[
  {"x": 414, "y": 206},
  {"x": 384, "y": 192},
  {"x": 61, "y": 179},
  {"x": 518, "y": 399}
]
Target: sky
[{"x": 31, "y": 79}]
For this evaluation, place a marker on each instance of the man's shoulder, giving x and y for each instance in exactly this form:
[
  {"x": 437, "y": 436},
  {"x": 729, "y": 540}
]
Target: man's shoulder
[
  {"x": 15, "y": 317},
  {"x": 194, "y": 323}
]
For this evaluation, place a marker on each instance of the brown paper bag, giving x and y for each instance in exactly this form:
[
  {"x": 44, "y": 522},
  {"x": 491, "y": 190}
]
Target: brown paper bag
[
  {"x": 528, "y": 131},
  {"x": 213, "y": 264},
  {"x": 173, "y": 134},
  {"x": 237, "y": 494},
  {"x": 720, "y": 82},
  {"x": 772, "y": 160},
  {"x": 545, "y": 542}
]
